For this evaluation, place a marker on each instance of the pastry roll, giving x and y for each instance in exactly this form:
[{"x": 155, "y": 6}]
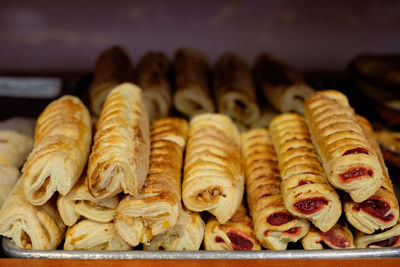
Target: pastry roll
[
  {"x": 187, "y": 234},
  {"x": 236, "y": 234},
  {"x": 213, "y": 173},
  {"x": 158, "y": 205},
  {"x": 120, "y": 155},
  {"x": 192, "y": 93},
  {"x": 282, "y": 85},
  {"x": 91, "y": 235},
  {"x": 338, "y": 237},
  {"x": 235, "y": 91},
  {"x": 8, "y": 177},
  {"x": 153, "y": 71},
  {"x": 112, "y": 68},
  {"x": 387, "y": 239},
  {"x": 305, "y": 188},
  {"x": 274, "y": 226},
  {"x": 349, "y": 160},
  {"x": 30, "y": 227},
  {"x": 265, "y": 118},
  {"x": 63, "y": 137},
  {"x": 390, "y": 143},
  {"x": 381, "y": 210}
]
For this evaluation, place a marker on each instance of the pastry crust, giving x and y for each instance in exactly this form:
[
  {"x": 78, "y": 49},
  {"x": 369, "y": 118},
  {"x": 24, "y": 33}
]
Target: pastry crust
[
  {"x": 157, "y": 207},
  {"x": 213, "y": 173},
  {"x": 8, "y": 177},
  {"x": 274, "y": 226},
  {"x": 389, "y": 238},
  {"x": 63, "y": 137},
  {"x": 305, "y": 189},
  {"x": 120, "y": 155},
  {"x": 338, "y": 237}
]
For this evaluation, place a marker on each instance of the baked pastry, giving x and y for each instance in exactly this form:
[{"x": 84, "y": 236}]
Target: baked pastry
[
  {"x": 338, "y": 237},
  {"x": 234, "y": 89},
  {"x": 349, "y": 161},
  {"x": 390, "y": 143},
  {"x": 387, "y": 239},
  {"x": 112, "y": 67},
  {"x": 274, "y": 226},
  {"x": 8, "y": 177},
  {"x": 213, "y": 178},
  {"x": 158, "y": 205},
  {"x": 153, "y": 70},
  {"x": 192, "y": 93},
  {"x": 187, "y": 234},
  {"x": 63, "y": 136},
  {"x": 265, "y": 118},
  {"x": 305, "y": 189},
  {"x": 236, "y": 234},
  {"x": 381, "y": 210},
  {"x": 282, "y": 85},
  {"x": 120, "y": 155},
  {"x": 30, "y": 227}
]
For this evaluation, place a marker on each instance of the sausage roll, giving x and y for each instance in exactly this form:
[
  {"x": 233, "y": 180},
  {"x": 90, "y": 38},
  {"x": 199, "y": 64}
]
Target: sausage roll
[
  {"x": 381, "y": 210},
  {"x": 8, "y": 177},
  {"x": 390, "y": 143},
  {"x": 349, "y": 160},
  {"x": 63, "y": 136},
  {"x": 192, "y": 93},
  {"x": 30, "y": 227},
  {"x": 235, "y": 91},
  {"x": 153, "y": 71},
  {"x": 265, "y": 118},
  {"x": 213, "y": 173},
  {"x": 187, "y": 234},
  {"x": 274, "y": 226},
  {"x": 236, "y": 234},
  {"x": 387, "y": 239},
  {"x": 120, "y": 155},
  {"x": 91, "y": 235},
  {"x": 158, "y": 205},
  {"x": 305, "y": 189},
  {"x": 282, "y": 85},
  {"x": 112, "y": 67}
]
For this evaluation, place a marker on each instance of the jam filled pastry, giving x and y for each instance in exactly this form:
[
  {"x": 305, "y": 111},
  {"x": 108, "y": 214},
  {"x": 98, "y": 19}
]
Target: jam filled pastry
[
  {"x": 348, "y": 159},
  {"x": 8, "y": 177},
  {"x": 381, "y": 210},
  {"x": 63, "y": 136},
  {"x": 30, "y": 227},
  {"x": 387, "y": 239},
  {"x": 213, "y": 173},
  {"x": 274, "y": 226},
  {"x": 153, "y": 71},
  {"x": 235, "y": 91},
  {"x": 283, "y": 86},
  {"x": 120, "y": 155},
  {"x": 236, "y": 234},
  {"x": 305, "y": 189},
  {"x": 112, "y": 68},
  {"x": 192, "y": 93},
  {"x": 187, "y": 234},
  {"x": 158, "y": 205}
]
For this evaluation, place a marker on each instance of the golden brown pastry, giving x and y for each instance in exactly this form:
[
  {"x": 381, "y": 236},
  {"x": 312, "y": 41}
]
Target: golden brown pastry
[
  {"x": 387, "y": 239},
  {"x": 158, "y": 205},
  {"x": 153, "y": 70},
  {"x": 282, "y": 85},
  {"x": 274, "y": 226},
  {"x": 348, "y": 159},
  {"x": 112, "y": 67},
  {"x": 390, "y": 143},
  {"x": 120, "y": 155},
  {"x": 305, "y": 189},
  {"x": 213, "y": 178},
  {"x": 234, "y": 88},
  {"x": 8, "y": 177},
  {"x": 192, "y": 93},
  {"x": 63, "y": 137},
  {"x": 30, "y": 227}
]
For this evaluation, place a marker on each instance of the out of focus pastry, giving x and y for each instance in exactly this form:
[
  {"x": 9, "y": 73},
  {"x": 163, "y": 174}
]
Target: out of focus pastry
[
  {"x": 8, "y": 177},
  {"x": 390, "y": 143},
  {"x": 265, "y": 118},
  {"x": 338, "y": 237}
]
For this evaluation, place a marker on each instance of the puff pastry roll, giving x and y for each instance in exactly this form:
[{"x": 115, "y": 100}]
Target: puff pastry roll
[
  {"x": 282, "y": 85},
  {"x": 390, "y": 143},
  {"x": 274, "y": 226},
  {"x": 112, "y": 67},
  {"x": 120, "y": 155},
  {"x": 153, "y": 70},
  {"x": 213, "y": 173},
  {"x": 91, "y": 235},
  {"x": 30, "y": 227},
  {"x": 158, "y": 205},
  {"x": 187, "y": 234},
  {"x": 387, "y": 239},
  {"x": 192, "y": 93},
  {"x": 349, "y": 160},
  {"x": 305, "y": 188},
  {"x": 8, "y": 177},
  {"x": 63, "y": 137},
  {"x": 381, "y": 210}
]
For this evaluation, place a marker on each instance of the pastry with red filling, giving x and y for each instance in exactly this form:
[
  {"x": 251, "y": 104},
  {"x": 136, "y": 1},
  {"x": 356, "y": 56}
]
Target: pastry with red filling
[{"x": 387, "y": 239}]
